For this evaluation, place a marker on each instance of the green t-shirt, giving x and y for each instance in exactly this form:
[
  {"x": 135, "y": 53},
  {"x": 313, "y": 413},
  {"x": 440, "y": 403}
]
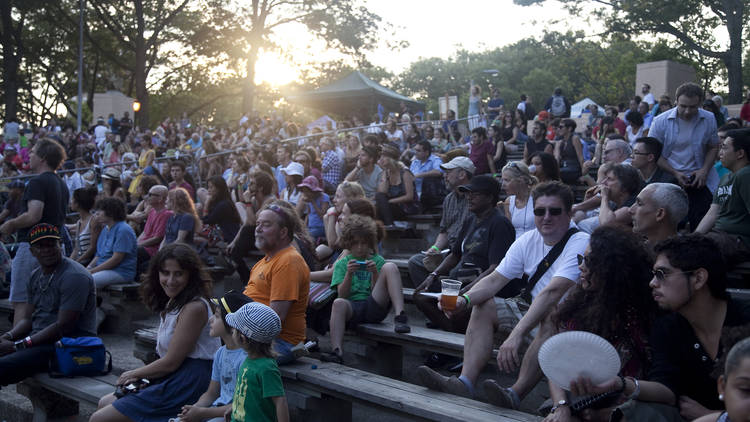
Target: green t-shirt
[
  {"x": 361, "y": 280},
  {"x": 258, "y": 381},
  {"x": 733, "y": 197}
]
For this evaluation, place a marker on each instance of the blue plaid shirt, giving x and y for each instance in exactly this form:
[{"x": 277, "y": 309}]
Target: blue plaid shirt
[{"x": 331, "y": 167}]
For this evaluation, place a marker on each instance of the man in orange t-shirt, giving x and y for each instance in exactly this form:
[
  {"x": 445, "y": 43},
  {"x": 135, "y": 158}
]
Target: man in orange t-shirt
[{"x": 281, "y": 279}]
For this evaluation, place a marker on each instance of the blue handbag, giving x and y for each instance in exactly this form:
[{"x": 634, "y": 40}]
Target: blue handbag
[{"x": 81, "y": 356}]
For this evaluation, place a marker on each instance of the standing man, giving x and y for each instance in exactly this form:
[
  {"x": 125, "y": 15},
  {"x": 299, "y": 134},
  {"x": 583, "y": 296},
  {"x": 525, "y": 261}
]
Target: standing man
[
  {"x": 284, "y": 158},
  {"x": 691, "y": 145},
  {"x": 648, "y": 97},
  {"x": 557, "y": 105},
  {"x": 552, "y": 205},
  {"x": 367, "y": 173},
  {"x": 331, "y": 165},
  {"x": 44, "y": 200},
  {"x": 495, "y": 105},
  {"x": 61, "y": 302},
  {"x": 126, "y": 123},
  {"x": 281, "y": 279}
]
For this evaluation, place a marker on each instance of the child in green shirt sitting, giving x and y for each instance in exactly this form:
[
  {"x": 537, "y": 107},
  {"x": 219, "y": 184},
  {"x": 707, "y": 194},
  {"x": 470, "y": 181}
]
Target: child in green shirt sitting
[{"x": 365, "y": 283}]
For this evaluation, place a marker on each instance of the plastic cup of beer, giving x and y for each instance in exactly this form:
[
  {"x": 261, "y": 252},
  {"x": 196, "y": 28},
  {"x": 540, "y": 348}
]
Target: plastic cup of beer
[{"x": 449, "y": 294}]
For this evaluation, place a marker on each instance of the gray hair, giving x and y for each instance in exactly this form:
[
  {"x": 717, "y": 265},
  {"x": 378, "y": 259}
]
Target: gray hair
[
  {"x": 622, "y": 146},
  {"x": 717, "y": 100},
  {"x": 672, "y": 198}
]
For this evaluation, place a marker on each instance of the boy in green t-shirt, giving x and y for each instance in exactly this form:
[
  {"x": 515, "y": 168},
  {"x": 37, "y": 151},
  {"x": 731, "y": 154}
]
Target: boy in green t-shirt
[
  {"x": 259, "y": 394},
  {"x": 365, "y": 283}
]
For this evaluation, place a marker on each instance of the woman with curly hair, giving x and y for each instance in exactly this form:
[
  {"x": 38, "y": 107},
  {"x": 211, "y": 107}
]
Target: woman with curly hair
[
  {"x": 612, "y": 300},
  {"x": 176, "y": 286}
]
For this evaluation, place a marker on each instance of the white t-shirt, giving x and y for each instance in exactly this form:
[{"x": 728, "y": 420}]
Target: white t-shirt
[
  {"x": 649, "y": 98},
  {"x": 527, "y": 251},
  {"x": 100, "y": 132}
]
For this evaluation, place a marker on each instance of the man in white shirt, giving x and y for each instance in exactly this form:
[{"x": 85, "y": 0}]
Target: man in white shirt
[
  {"x": 100, "y": 131},
  {"x": 647, "y": 95},
  {"x": 552, "y": 211}
]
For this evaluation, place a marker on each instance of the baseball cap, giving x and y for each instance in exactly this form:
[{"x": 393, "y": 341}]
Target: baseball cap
[
  {"x": 482, "y": 184},
  {"x": 310, "y": 182},
  {"x": 232, "y": 301},
  {"x": 256, "y": 321},
  {"x": 459, "y": 163},
  {"x": 543, "y": 115},
  {"x": 43, "y": 231},
  {"x": 294, "y": 168}
]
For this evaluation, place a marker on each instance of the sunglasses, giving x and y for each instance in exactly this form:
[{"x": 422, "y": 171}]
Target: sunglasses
[
  {"x": 540, "y": 212},
  {"x": 661, "y": 275},
  {"x": 584, "y": 259}
]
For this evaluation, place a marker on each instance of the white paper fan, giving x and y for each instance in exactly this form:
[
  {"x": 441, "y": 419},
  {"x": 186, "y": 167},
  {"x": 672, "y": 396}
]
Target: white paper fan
[{"x": 569, "y": 355}]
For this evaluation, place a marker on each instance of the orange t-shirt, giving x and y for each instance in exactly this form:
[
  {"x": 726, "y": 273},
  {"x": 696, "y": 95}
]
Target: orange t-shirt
[{"x": 283, "y": 277}]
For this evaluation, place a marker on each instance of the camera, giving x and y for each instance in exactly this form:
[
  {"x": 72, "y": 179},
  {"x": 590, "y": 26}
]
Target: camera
[
  {"x": 133, "y": 387},
  {"x": 362, "y": 265}
]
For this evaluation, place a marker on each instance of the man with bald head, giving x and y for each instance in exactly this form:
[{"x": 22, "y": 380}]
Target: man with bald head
[
  {"x": 156, "y": 222},
  {"x": 657, "y": 211}
]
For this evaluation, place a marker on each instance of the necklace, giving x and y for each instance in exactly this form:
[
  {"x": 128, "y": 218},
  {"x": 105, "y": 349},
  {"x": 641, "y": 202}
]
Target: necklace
[{"x": 43, "y": 287}]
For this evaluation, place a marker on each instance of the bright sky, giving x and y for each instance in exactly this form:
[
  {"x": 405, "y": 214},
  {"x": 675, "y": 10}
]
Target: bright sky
[{"x": 433, "y": 28}]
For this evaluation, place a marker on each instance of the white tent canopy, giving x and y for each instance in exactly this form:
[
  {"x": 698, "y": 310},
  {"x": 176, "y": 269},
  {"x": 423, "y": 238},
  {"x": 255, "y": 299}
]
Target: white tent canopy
[{"x": 577, "y": 109}]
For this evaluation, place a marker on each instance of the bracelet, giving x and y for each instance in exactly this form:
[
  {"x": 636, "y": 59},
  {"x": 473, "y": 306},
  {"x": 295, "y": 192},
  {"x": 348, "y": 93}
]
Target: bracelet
[
  {"x": 434, "y": 274},
  {"x": 435, "y": 248},
  {"x": 27, "y": 340},
  {"x": 466, "y": 297},
  {"x": 637, "y": 392}
]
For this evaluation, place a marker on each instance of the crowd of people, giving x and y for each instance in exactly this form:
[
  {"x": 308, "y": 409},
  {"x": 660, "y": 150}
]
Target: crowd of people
[{"x": 641, "y": 258}]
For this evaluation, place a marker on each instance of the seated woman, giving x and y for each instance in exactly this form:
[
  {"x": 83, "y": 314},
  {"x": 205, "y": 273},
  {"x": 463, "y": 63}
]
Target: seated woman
[
  {"x": 86, "y": 229},
  {"x": 116, "y": 247},
  {"x": 396, "y": 196},
  {"x": 220, "y": 210},
  {"x": 176, "y": 286},
  {"x": 519, "y": 205},
  {"x": 613, "y": 300},
  {"x": 619, "y": 190},
  {"x": 365, "y": 283},
  {"x": 182, "y": 225},
  {"x": 544, "y": 167}
]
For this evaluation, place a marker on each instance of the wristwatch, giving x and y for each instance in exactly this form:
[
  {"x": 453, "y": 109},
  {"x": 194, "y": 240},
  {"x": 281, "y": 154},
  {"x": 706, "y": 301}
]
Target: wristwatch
[
  {"x": 22, "y": 344},
  {"x": 559, "y": 404}
]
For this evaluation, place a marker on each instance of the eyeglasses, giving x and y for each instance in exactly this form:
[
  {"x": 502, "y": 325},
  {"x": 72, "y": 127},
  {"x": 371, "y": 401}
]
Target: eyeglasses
[
  {"x": 661, "y": 274},
  {"x": 561, "y": 127},
  {"x": 541, "y": 212},
  {"x": 584, "y": 259}
]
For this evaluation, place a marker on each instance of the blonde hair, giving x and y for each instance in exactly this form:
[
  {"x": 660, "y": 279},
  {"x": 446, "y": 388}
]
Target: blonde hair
[
  {"x": 352, "y": 190},
  {"x": 521, "y": 170},
  {"x": 182, "y": 203}
]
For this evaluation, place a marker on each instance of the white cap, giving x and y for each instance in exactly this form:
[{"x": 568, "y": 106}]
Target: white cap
[
  {"x": 294, "y": 168},
  {"x": 460, "y": 162}
]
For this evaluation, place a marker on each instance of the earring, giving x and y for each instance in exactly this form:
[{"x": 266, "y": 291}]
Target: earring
[{"x": 721, "y": 397}]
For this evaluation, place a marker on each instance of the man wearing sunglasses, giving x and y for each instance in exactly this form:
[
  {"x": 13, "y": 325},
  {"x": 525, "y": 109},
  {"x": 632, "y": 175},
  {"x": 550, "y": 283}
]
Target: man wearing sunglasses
[
  {"x": 552, "y": 211},
  {"x": 690, "y": 284}
]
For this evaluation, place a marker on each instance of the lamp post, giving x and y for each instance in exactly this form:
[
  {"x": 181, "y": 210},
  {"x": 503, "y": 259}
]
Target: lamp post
[{"x": 80, "y": 66}]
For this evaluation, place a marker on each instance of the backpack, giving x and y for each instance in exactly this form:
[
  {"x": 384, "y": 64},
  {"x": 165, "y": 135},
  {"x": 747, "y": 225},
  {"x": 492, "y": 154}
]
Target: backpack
[{"x": 558, "y": 106}]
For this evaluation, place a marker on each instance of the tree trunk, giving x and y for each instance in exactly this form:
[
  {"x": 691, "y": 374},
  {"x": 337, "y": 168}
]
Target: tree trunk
[
  {"x": 733, "y": 58},
  {"x": 141, "y": 93},
  {"x": 248, "y": 90},
  {"x": 11, "y": 61},
  {"x": 92, "y": 86}
]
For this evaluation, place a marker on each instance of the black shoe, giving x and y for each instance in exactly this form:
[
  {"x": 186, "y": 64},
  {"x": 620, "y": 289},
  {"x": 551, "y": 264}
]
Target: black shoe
[
  {"x": 401, "y": 323},
  {"x": 334, "y": 357},
  {"x": 439, "y": 361}
]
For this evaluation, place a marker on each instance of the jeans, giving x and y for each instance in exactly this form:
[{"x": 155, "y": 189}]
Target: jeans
[
  {"x": 25, "y": 363},
  {"x": 283, "y": 350},
  {"x": 20, "y": 272},
  {"x": 699, "y": 200},
  {"x": 107, "y": 277}
]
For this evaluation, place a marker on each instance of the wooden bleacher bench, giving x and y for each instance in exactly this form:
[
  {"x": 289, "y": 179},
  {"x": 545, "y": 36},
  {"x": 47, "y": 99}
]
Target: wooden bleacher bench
[
  {"x": 54, "y": 398},
  {"x": 324, "y": 392},
  {"x": 123, "y": 306}
]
